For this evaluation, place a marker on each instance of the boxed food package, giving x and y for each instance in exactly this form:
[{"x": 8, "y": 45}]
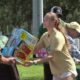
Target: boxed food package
[{"x": 21, "y": 45}]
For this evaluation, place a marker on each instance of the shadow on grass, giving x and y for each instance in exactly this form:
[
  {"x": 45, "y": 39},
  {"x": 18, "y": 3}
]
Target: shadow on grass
[{"x": 32, "y": 78}]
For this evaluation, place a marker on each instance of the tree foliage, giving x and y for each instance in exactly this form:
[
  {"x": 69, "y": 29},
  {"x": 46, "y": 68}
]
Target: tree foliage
[
  {"x": 15, "y": 13},
  {"x": 19, "y": 12},
  {"x": 71, "y": 8}
]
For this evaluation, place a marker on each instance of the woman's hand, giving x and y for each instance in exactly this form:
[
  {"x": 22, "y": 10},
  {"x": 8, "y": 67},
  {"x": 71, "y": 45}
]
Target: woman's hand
[
  {"x": 28, "y": 63},
  {"x": 77, "y": 61}
]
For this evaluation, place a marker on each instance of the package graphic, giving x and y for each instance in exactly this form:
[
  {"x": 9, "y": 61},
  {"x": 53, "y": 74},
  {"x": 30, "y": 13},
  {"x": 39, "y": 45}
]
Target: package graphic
[
  {"x": 23, "y": 53},
  {"x": 21, "y": 45},
  {"x": 41, "y": 53}
]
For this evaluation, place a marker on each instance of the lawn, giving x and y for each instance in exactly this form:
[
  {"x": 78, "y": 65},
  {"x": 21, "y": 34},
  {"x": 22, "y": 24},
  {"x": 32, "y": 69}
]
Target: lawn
[{"x": 34, "y": 72}]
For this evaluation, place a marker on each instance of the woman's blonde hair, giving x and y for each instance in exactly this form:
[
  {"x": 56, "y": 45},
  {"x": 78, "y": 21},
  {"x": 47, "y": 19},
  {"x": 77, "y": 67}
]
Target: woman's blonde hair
[{"x": 59, "y": 27}]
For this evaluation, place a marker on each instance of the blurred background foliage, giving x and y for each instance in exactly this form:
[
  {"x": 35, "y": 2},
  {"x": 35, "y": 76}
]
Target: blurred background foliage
[{"x": 15, "y": 13}]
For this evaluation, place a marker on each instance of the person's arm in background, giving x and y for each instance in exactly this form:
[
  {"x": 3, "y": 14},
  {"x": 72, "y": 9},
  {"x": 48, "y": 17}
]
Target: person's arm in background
[
  {"x": 6, "y": 60},
  {"x": 75, "y": 53}
]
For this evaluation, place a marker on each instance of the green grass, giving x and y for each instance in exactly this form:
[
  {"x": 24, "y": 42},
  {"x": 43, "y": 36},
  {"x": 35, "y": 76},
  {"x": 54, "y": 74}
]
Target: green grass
[{"x": 34, "y": 72}]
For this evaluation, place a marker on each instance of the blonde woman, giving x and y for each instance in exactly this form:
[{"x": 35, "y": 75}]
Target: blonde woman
[{"x": 61, "y": 63}]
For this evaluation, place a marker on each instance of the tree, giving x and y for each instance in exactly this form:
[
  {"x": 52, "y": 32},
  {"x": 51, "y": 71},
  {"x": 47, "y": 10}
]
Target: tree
[
  {"x": 18, "y": 12},
  {"x": 15, "y": 13}
]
